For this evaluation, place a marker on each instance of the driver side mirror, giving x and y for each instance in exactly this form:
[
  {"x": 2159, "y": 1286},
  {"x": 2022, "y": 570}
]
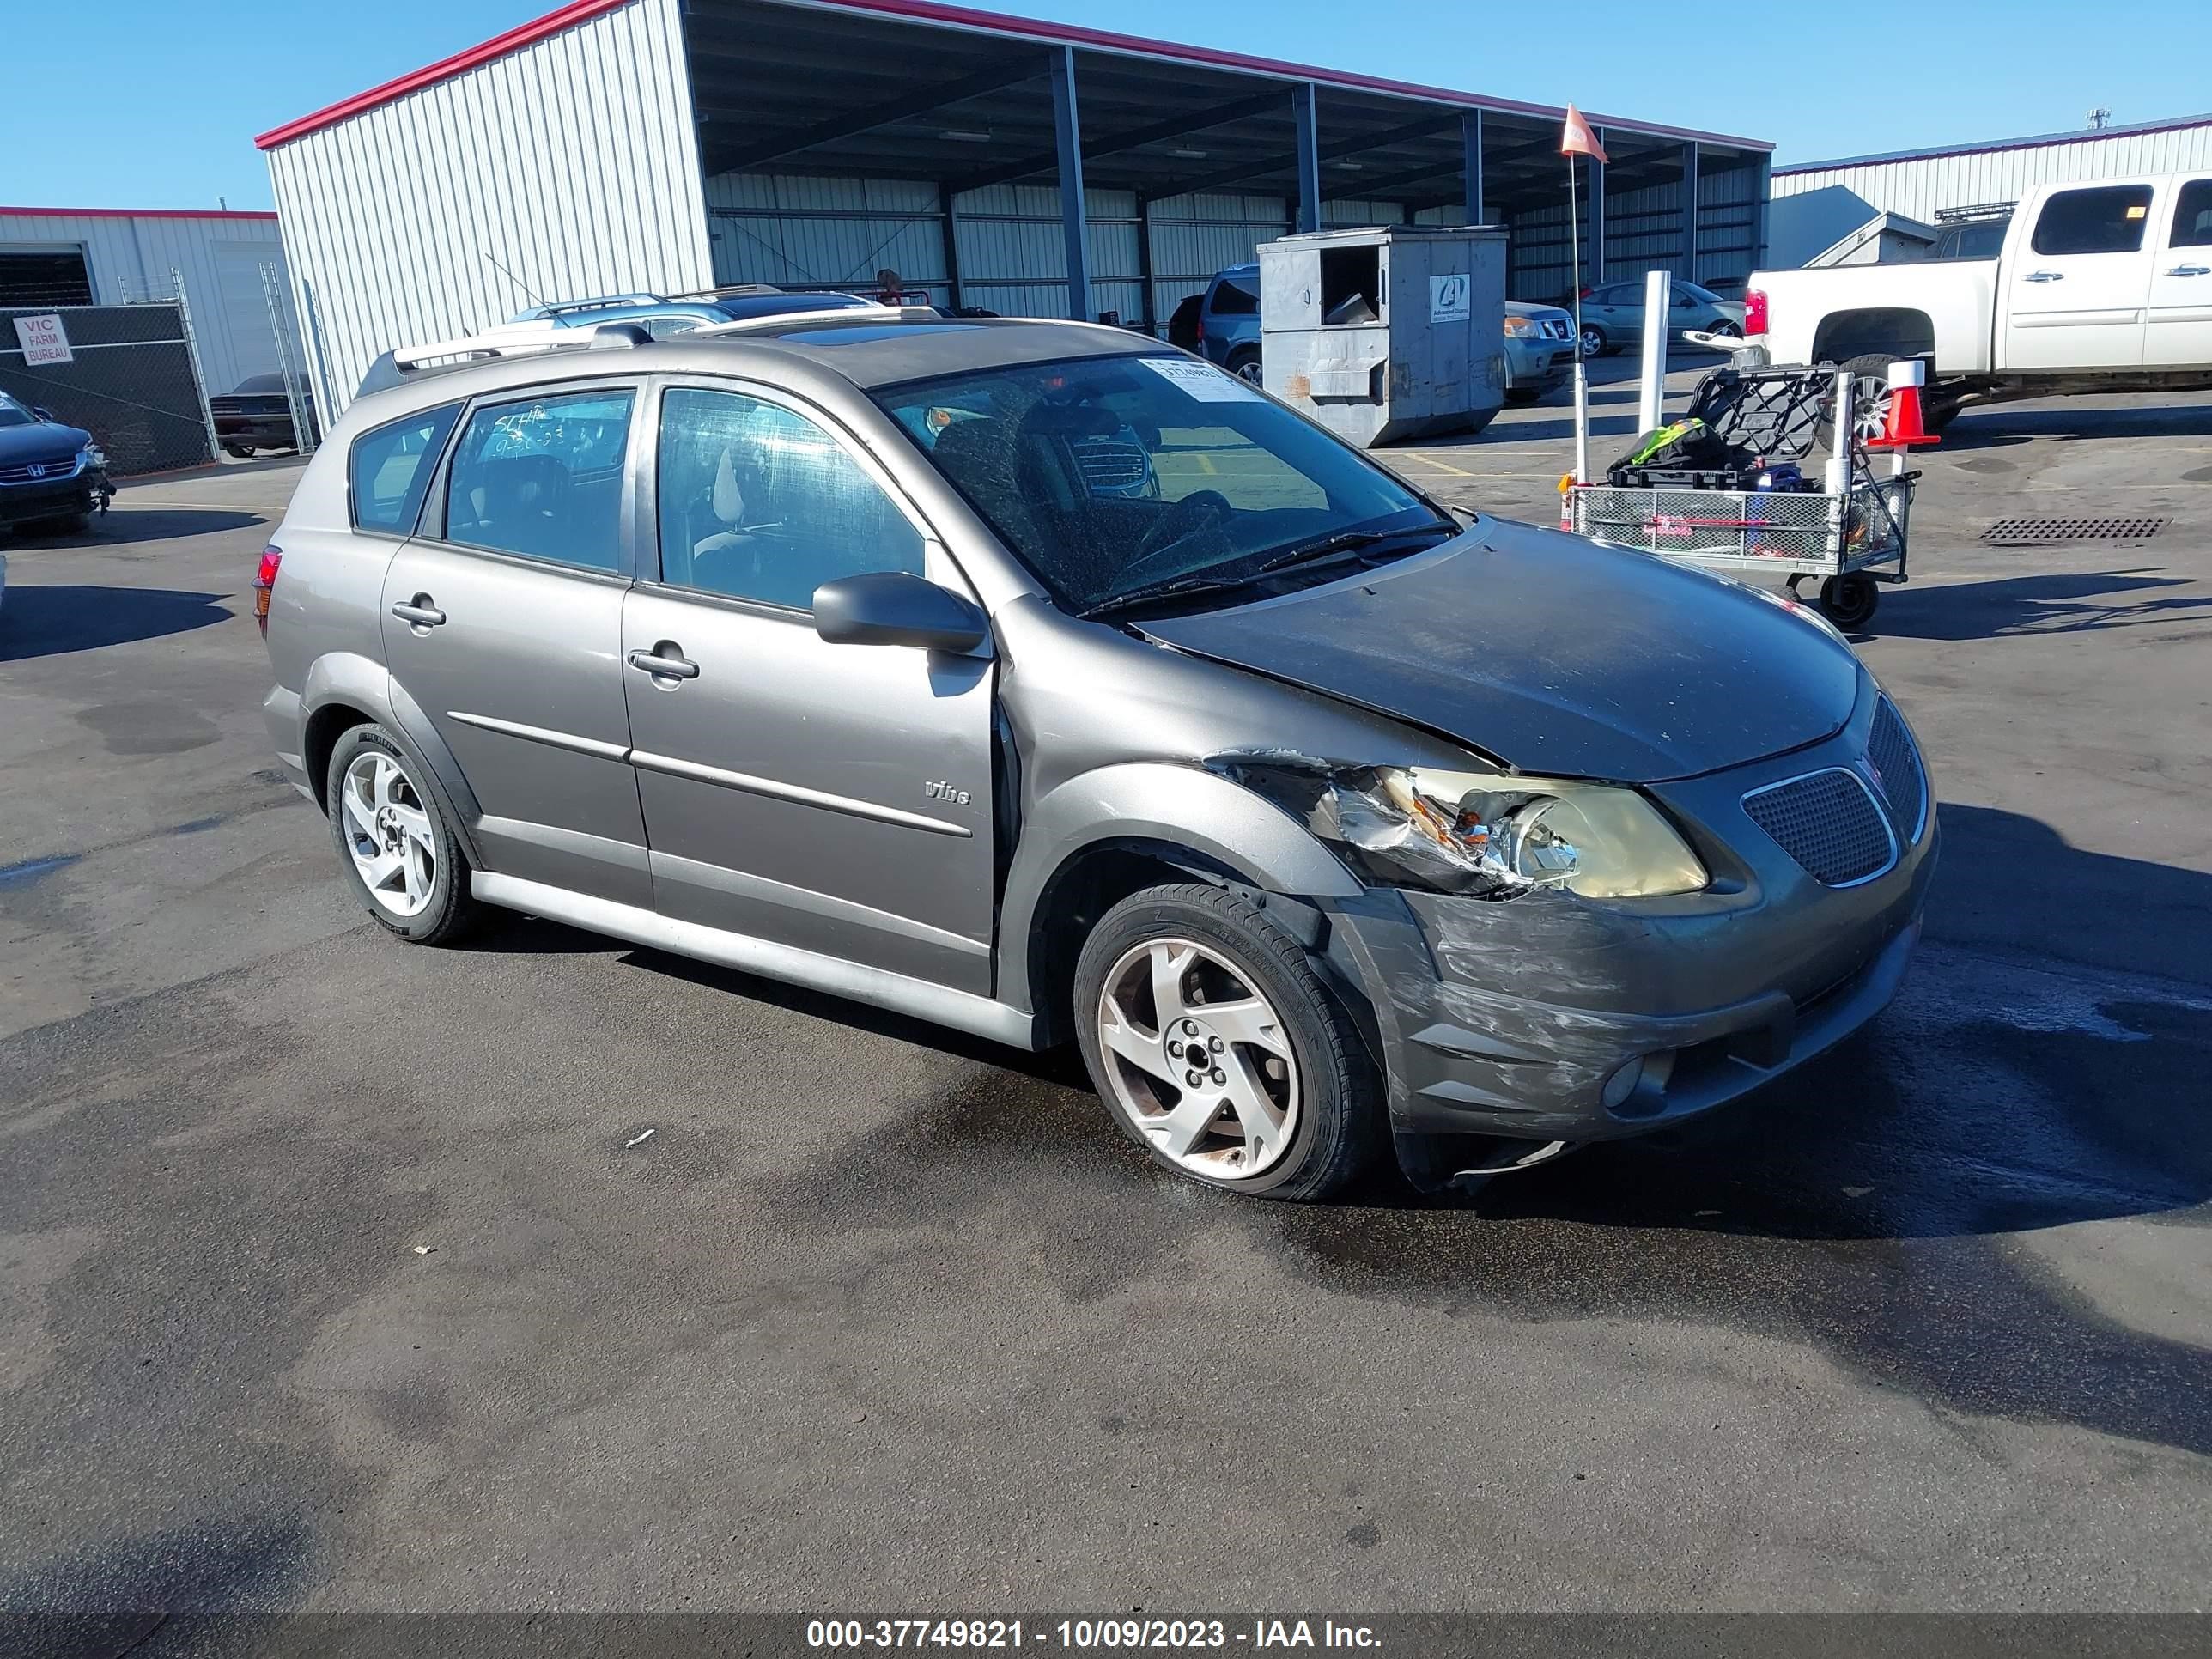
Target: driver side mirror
[{"x": 893, "y": 607}]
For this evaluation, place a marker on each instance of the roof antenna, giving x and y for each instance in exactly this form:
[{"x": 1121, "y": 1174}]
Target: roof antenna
[{"x": 534, "y": 297}]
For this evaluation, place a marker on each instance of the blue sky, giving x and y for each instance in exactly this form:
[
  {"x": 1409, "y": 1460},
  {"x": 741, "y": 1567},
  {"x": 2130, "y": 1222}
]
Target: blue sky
[{"x": 160, "y": 107}]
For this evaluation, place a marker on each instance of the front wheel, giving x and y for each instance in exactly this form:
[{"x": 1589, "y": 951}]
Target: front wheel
[
  {"x": 404, "y": 861},
  {"x": 1218, "y": 1049}
]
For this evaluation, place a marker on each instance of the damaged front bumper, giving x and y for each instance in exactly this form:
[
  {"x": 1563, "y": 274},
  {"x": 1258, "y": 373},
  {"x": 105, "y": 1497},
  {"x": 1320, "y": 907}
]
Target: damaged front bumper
[{"x": 1547, "y": 1018}]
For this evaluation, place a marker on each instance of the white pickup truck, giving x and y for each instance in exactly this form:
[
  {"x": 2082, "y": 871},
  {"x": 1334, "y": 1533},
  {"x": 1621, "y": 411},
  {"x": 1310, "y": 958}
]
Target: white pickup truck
[{"x": 2104, "y": 286}]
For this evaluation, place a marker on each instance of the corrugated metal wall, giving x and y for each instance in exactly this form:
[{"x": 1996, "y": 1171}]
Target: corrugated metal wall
[
  {"x": 1922, "y": 186},
  {"x": 1194, "y": 236},
  {"x": 130, "y": 259},
  {"x": 570, "y": 167},
  {"x": 1643, "y": 231},
  {"x": 789, "y": 229}
]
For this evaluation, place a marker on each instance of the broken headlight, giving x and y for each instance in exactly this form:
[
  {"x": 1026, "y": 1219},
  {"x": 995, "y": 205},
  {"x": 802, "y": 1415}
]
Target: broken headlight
[{"x": 1483, "y": 833}]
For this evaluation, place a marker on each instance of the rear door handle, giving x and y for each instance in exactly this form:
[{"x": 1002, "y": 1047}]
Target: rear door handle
[
  {"x": 419, "y": 612},
  {"x": 666, "y": 661},
  {"x": 2046, "y": 277},
  {"x": 2191, "y": 271}
]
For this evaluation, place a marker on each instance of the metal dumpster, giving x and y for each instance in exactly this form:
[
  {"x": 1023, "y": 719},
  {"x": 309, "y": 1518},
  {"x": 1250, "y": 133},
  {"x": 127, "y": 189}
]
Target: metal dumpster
[{"x": 1394, "y": 332}]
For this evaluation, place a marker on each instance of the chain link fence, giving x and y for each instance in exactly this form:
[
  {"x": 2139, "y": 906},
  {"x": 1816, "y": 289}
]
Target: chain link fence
[{"x": 130, "y": 381}]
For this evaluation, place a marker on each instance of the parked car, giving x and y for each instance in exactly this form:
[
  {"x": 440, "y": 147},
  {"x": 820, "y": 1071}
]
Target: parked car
[
  {"x": 257, "y": 415},
  {"x": 2092, "y": 289},
  {"x": 1222, "y": 324},
  {"x": 1320, "y": 816},
  {"x": 50, "y": 475},
  {"x": 1613, "y": 315},
  {"x": 1540, "y": 344}
]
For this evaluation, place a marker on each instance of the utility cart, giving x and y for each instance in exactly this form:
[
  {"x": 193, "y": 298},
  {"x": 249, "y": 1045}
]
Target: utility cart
[{"x": 1750, "y": 500}]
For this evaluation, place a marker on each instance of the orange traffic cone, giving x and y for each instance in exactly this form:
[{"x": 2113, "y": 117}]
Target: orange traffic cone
[{"x": 1903, "y": 429}]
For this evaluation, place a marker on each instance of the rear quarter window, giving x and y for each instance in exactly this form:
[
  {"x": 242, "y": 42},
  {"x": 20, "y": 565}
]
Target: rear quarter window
[
  {"x": 1233, "y": 298},
  {"x": 388, "y": 469}
]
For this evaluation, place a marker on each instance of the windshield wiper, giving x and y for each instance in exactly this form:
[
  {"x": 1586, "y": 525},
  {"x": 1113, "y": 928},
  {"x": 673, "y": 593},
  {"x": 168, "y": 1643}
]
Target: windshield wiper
[
  {"x": 1345, "y": 541},
  {"x": 1333, "y": 546}
]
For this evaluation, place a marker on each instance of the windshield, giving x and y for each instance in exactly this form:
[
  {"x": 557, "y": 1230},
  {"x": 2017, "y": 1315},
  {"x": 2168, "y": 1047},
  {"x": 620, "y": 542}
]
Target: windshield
[
  {"x": 1107, "y": 475},
  {"x": 13, "y": 413},
  {"x": 259, "y": 385}
]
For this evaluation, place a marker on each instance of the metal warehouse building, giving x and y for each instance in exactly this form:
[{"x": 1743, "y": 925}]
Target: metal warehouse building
[
  {"x": 1028, "y": 167},
  {"x": 1820, "y": 202},
  {"x": 65, "y": 257}
]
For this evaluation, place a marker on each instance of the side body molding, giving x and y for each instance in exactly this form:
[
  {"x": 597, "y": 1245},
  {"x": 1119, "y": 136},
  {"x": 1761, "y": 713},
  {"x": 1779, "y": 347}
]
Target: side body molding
[{"x": 1182, "y": 806}]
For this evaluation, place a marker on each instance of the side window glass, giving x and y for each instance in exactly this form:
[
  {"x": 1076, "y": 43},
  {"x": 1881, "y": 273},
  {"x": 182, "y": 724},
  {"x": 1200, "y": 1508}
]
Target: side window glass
[
  {"x": 759, "y": 503},
  {"x": 390, "y": 466},
  {"x": 543, "y": 478},
  {"x": 2192, "y": 214},
  {"x": 2106, "y": 220}
]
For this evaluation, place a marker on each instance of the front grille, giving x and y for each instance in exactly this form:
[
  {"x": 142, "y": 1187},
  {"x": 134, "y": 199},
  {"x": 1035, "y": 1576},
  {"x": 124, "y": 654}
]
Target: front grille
[
  {"x": 257, "y": 404},
  {"x": 1897, "y": 769},
  {"x": 53, "y": 472},
  {"x": 1559, "y": 328},
  {"x": 1829, "y": 822},
  {"x": 1109, "y": 464}
]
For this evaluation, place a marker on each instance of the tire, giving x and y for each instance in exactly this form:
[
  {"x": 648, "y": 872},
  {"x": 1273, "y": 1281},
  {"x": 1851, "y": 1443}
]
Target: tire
[
  {"x": 1850, "y": 601},
  {"x": 238, "y": 452},
  {"x": 1594, "y": 341},
  {"x": 379, "y": 813},
  {"x": 1725, "y": 331},
  {"x": 1523, "y": 395},
  {"x": 1870, "y": 398},
  {"x": 1302, "y": 1068},
  {"x": 1245, "y": 364}
]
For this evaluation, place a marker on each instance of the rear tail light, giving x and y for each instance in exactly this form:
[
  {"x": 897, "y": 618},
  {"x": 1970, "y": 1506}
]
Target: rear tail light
[
  {"x": 264, "y": 584},
  {"x": 1588, "y": 292},
  {"x": 1201, "y": 328},
  {"x": 1755, "y": 311}
]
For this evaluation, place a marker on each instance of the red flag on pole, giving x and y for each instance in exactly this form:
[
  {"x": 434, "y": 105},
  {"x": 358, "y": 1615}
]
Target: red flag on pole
[{"x": 1577, "y": 138}]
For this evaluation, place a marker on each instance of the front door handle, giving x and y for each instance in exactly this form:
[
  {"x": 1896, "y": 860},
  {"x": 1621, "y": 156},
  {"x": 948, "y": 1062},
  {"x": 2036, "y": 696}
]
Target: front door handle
[
  {"x": 666, "y": 661},
  {"x": 419, "y": 612},
  {"x": 2191, "y": 271},
  {"x": 2046, "y": 276}
]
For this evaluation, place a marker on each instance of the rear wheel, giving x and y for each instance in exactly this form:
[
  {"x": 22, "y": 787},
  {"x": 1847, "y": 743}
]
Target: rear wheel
[
  {"x": 1594, "y": 342},
  {"x": 1245, "y": 364},
  {"x": 405, "y": 862},
  {"x": 1219, "y": 1050}
]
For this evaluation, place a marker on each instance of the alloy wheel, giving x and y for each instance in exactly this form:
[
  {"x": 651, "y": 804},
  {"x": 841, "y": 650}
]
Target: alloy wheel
[
  {"x": 1199, "y": 1060},
  {"x": 388, "y": 833},
  {"x": 1592, "y": 342}
]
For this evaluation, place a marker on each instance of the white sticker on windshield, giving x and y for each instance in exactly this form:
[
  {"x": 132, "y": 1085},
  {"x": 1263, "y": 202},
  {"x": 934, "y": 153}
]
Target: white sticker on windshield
[{"x": 1203, "y": 381}]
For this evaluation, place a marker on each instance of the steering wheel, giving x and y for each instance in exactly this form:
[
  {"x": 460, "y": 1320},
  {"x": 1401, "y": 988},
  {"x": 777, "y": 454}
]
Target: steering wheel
[{"x": 1186, "y": 517}]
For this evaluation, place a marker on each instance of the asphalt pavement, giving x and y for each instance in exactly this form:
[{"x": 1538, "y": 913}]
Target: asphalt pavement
[{"x": 551, "y": 1273}]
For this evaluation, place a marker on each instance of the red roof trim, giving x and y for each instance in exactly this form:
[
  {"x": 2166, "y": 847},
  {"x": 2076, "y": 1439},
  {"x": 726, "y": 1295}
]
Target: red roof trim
[
  {"x": 990, "y": 22},
  {"x": 2044, "y": 141},
  {"x": 129, "y": 213},
  {"x": 523, "y": 35}
]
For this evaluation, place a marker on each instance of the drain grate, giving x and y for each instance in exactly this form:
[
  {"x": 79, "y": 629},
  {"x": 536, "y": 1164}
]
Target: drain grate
[{"x": 2041, "y": 533}]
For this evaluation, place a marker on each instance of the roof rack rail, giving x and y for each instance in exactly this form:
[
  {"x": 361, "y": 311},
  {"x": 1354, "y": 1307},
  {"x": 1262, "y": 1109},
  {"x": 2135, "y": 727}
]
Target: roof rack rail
[
  {"x": 404, "y": 364},
  {"x": 577, "y": 307},
  {"x": 1979, "y": 211},
  {"x": 875, "y": 315}
]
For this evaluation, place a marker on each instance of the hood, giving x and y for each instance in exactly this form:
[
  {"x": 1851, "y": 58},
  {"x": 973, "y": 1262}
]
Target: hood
[
  {"x": 41, "y": 441},
  {"x": 1522, "y": 308},
  {"x": 1551, "y": 653}
]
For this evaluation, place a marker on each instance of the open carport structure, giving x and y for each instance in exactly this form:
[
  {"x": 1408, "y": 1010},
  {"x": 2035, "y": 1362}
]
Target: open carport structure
[{"x": 1020, "y": 166}]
